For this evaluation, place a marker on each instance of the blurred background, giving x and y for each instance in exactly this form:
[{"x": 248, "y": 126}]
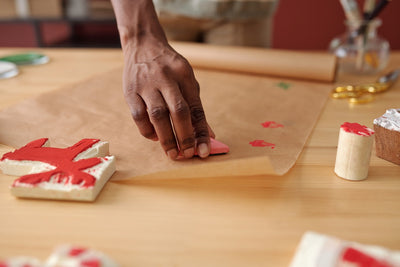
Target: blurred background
[{"x": 283, "y": 24}]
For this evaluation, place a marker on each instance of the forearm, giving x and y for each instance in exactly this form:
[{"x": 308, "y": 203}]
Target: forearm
[
  {"x": 137, "y": 22},
  {"x": 159, "y": 84}
]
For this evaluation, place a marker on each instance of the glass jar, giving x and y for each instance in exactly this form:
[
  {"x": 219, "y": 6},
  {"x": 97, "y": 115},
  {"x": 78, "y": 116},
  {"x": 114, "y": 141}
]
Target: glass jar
[{"x": 360, "y": 50}]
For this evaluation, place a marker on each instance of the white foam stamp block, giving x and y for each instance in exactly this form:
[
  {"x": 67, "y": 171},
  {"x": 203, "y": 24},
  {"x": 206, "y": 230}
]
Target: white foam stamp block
[
  {"x": 67, "y": 255},
  {"x": 354, "y": 151},
  {"x": 64, "y": 256},
  {"x": 318, "y": 250},
  {"x": 21, "y": 261},
  {"x": 78, "y": 172}
]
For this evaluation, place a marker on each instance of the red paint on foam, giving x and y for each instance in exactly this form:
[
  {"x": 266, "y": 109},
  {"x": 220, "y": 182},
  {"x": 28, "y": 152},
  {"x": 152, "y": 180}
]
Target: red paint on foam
[
  {"x": 352, "y": 255},
  {"x": 261, "y": 143},
  {"x": 271, "y": 124},
  {"x": 91, "y": 263},
  {"x": 76, "y": 251},
  {"x": 66, "y": 170},
  {"x": 357, "y": 129}
]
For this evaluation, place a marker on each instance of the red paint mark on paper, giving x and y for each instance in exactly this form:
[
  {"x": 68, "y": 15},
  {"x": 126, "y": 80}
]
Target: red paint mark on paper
[
  {"x": 261, "y": 143},
  {"x": 271, "y": 124},
  {"x": 76, "y": 251},
  {"x": 352, "y": 255},
  {"x": 91, "y": 263},
  {"x": 66, "y": 170},
  {"x": 357, "y": 129}
]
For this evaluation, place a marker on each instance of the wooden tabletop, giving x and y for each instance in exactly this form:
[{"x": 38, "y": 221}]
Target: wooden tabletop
[{"x": 241, "y": 221}]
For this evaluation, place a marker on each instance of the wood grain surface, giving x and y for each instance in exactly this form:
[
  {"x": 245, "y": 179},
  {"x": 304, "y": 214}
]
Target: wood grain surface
[{"x": 229, "y": 221}]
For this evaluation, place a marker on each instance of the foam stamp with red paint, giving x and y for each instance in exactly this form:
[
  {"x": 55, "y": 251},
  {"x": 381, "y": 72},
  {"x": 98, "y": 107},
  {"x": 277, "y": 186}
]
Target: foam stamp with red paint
[
  {"x": 78, "y": 172},
  {"x": 68, "y": 255},
  {"x": 316, "y": 249},
  {"x": 64, "y": 256}
]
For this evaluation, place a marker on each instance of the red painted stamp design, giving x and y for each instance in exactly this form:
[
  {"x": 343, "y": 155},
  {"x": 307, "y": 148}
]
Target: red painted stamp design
[
  {"x": 66, "y": 169},
  {"x": 355, "y": 257}
]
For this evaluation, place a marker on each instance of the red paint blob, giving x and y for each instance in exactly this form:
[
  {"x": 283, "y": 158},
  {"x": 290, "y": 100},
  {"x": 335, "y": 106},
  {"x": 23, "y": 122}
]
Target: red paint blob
[
  {"x": 76, "y": 251},
  {"x": 357, "y": 129},
  {"x": 91, "y": 263},
  {"x": 271, "y": 124},
  {"x": 352, "y": 255},
  {"x": 261, "y": 143},
  {"x": 66, "y": 170}
]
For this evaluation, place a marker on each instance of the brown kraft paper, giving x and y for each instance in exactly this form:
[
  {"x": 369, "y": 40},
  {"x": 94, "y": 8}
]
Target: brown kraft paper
[{"x": 236, "y": 106}]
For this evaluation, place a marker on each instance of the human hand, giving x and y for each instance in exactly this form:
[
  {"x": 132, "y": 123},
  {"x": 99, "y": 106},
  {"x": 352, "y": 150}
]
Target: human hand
[{"x": 163, "y": 96}]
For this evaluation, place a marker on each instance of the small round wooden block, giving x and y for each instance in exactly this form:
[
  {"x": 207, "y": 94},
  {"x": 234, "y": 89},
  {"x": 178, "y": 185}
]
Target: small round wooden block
[{"x": 354, "y": 151}]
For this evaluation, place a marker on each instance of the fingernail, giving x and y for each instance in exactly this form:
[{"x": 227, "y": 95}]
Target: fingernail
[
  {"x": 203, "y": 150},
  {"x": 188, "y": 153},
  {"x": 172, "y": 153}
]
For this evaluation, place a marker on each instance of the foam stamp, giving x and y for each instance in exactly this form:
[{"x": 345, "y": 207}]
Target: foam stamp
[
  {"x": 387, "y": 136},
  {"x": 21, "y": 261},
  {"x": 354, "y": 151},
  {"x": 68, "y": 255},
  {"x": 318, "y": 250},
  {"x": 78, "y": 172},
  {"x": 64, "y": 256}
]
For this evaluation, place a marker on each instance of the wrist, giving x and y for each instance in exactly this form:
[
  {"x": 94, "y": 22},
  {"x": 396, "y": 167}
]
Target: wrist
[
  {"x": 137, "y": 22},
  {"x": 135, "y": 38}
]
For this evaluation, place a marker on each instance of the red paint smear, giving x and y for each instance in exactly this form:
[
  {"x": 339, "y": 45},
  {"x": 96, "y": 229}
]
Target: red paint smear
[
  {"x": 362, "y": 260},
  {"x": 271, "y": 124},
  {"x": 76, "y": 251},
  {"x": 357, "y": 129},
  {"x": 91, "y": 263},
  {"x": 261, "y": 143},
  {"x": 3, "y": 264},
  {"x": 61, "y": 158}
]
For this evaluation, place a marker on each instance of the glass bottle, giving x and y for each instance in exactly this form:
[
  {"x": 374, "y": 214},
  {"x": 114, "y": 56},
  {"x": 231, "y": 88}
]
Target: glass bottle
[{"x": 360, "y": 50}]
